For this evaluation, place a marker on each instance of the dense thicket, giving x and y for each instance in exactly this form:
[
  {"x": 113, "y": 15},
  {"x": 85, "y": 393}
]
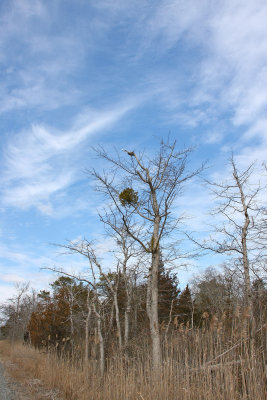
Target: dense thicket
[{"x": 59, "y": 316}]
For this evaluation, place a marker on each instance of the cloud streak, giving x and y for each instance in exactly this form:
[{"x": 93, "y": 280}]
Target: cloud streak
[
  {"x": 37, "y": 162},
  {"x": 227, "y": 77}
]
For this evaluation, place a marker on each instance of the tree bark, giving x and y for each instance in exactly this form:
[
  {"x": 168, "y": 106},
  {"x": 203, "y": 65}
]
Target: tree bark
[
  {"x": 117, "y": 314},
  {"x": 153, "y": 312},
  {"x": 126, "y": 321},
  {"x": 71, "y": 323},
  {"x": 248, "y": 294},
  {"x": 101, "y": 347},
  {"x": 89, "y": 310},
  {"x": 101, "y": 343}
]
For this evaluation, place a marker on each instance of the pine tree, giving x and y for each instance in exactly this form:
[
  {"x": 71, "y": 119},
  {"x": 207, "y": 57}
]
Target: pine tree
[
  {"x": 168, "y": 293},
  {"x": 185, "y": 306}
]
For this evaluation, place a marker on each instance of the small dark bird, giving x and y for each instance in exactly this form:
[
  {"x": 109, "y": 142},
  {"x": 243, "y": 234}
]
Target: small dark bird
[{"x": 130, "y": 153}]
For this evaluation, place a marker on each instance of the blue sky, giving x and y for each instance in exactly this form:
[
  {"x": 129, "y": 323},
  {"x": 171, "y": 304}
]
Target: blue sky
[{"x": 116, "y": 73}]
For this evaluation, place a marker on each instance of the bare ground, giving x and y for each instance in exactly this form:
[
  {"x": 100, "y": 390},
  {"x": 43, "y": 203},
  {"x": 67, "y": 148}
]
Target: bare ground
[
  {"x": 16, "y": 384},
  {"x": 6, "y": 392}
]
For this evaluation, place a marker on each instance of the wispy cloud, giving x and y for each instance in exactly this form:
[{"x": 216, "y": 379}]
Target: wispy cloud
[
  {"x": 236, "y": 65},
  {"x": 229, "y": 75},
  {"x": 11, "y": 278},
  {"x": 26, "y": 264},
  {"x": 37, "y": 59},
  {"x": 171, "y": 20},
  {"x": 37, "y": 162}
]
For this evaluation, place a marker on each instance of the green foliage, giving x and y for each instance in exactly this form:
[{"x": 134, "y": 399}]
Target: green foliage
[
  {"x": 185, "y": 306},
  {"x": 44, "y": 296},
  {"x": 168, "y": 293},
  {"x": 128, "y": 197},
  {"x": 62, "y": 281}
]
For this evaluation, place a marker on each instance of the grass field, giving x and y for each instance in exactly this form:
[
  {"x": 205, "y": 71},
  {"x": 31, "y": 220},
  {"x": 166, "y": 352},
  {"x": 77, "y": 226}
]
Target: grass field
[{"x": 202, "y": 364}]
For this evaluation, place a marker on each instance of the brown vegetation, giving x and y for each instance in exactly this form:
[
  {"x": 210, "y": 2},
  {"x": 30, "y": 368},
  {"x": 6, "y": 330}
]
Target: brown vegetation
[{"x": 212, "y": 362}]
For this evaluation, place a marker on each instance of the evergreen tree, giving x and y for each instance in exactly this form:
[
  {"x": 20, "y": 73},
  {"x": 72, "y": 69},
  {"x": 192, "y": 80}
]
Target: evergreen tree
[
  {"x": 185, "y": 306},
  {"x": 168, "y": 293},
  {"x": 259, "y": 299}
]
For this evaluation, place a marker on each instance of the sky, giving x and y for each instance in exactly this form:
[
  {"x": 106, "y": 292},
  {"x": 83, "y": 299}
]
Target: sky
[{"x": 121, "y": 74}]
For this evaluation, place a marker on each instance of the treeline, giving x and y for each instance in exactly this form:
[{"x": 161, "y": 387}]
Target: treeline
[
  {"x": 64, "y": 318},
  {"x": 206, "y": 343}
]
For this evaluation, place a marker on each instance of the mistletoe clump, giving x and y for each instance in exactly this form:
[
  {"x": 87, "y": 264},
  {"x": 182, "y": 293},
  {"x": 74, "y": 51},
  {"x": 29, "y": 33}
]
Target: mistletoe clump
[{"x": 128, "y": 197}]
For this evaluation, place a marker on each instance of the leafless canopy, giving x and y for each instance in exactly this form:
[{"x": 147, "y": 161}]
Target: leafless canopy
[
  {"x": 142, "y": 191},
  {"x": 162, "y": 176},
  {"x": 240, "y": 225}
]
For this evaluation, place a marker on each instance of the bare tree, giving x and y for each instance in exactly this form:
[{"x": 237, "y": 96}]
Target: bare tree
[
  {"x": 143, "y": 191},
  {"x": 239, "y": 211},
  {"x": 259, "y": 263},
  {"x": 215, "y": 291},
  {"x": 72, "y": 292},
  {"x": 86, "y": 249},
  {"x": 128, "y": 262},
  {"x": 17, "y": 311},
  {"x": 93, "y": 301}
]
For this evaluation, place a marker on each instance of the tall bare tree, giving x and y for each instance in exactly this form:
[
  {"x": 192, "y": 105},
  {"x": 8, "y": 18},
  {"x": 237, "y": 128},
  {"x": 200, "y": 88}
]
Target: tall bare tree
[
  {"x": 16, "y": 311},
  {"x": 143, "y": 191},
  {"x": 237, "y": 231},
  {"x": 93, "y": 301},
  {"x": 128, "y": 262}
]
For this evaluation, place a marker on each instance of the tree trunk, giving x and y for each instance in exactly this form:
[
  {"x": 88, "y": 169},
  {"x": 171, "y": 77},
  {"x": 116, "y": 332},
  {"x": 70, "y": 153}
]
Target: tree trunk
[
  {"x": 117, "y": 313},
  {"x": 153, "y": 312},
  {"x": 248, "y": 294},
  {"x": 111, "y": 316},
  {"x": 89, "y": 310},
  {"x": 246, "y": 268},
  {"x": 128, "y": 301},
  {"x": 245, "y": 260},
  {"x": 101, "y": 342},
  {"x": 71, "y": 325},
  {"x": 86, "y": 352},
  {"x": 101, "y": 347},
  {"x": 126, "y": 322}
]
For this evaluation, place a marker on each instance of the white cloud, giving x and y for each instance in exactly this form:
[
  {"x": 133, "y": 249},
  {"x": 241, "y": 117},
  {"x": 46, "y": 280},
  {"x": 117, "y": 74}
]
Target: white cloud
[
  {"x": 37, "y": 162},
  {"x": 37, "y": 94},
  {"x": 229, "y": 77},
  {"x": 27, "y": 8},
  {"x": 172, "y": 19},
  {"x": 213, "y": 137},
  {"x": 234, "y": 74},
  {"x": 6, "y": 292},
  {"x": 11, "y": 278},
  {"x": 257, "y": 130},
  {"x": 37, "y": 59},
  {"x": 26, "y": 264}
]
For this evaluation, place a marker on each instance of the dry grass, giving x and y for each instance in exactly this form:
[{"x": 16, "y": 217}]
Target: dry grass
[
  {"x": 208, "y": 364},
  {"x": 18, "y": 365}
]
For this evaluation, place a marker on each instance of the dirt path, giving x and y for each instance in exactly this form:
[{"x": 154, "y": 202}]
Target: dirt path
[
  {"x": 6, "y": 392},
  {"x": 16, "y": 384},
  {"x": 27, "y": 389}
]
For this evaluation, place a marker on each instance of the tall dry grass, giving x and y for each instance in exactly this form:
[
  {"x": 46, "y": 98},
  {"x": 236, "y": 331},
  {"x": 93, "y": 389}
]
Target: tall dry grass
[{"x": 211, "y": 363}]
